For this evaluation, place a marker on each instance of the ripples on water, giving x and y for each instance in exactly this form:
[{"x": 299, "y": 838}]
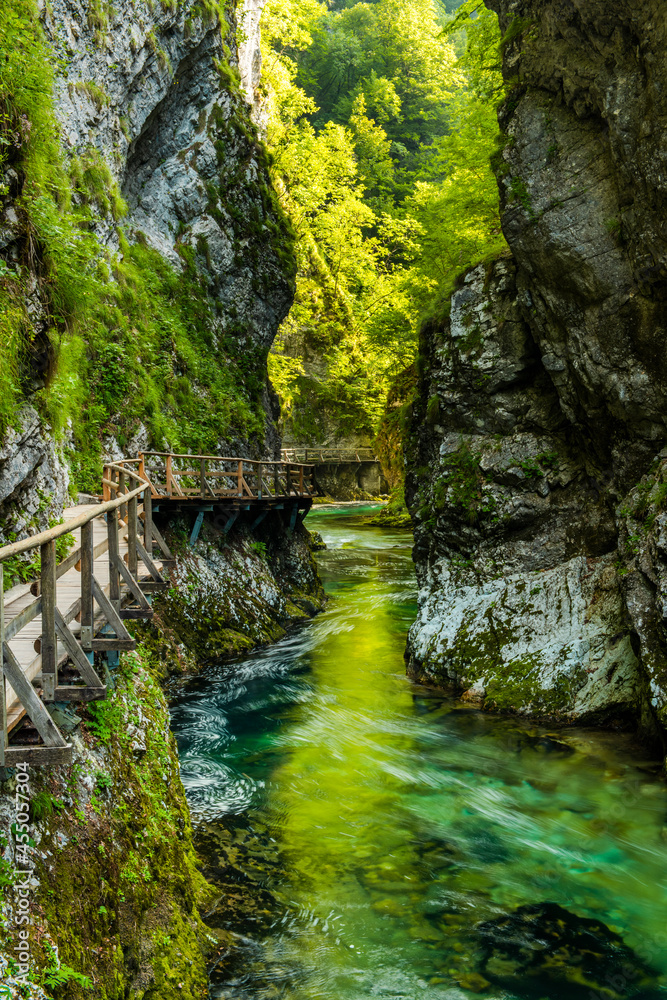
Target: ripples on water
[{"x": 373, "y": 825}]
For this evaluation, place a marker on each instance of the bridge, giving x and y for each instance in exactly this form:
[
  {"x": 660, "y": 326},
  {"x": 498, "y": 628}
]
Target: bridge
[
  {"x": 51, "y": 628},
  {"x": 342, "y": 472},
  {"x": 328, "y": 456}
]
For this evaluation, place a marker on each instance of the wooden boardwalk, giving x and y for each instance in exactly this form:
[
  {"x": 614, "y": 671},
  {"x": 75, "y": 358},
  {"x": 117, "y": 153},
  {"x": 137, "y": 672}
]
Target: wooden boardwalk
[{"x": 56, "y": 631}]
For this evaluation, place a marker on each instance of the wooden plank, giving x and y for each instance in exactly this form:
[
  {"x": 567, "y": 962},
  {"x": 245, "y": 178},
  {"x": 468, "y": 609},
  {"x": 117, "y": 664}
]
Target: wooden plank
[
  {"x": 145, "y": 614},
  {"x": 39, "y": 716},
  {"x": 23, "y": 618},
  {"x": 49, "y": 643},
  {"x": 38, "y": 756}
]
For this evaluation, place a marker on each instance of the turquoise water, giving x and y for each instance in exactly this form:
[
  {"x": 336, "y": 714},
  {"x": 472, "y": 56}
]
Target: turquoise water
[{"x": 362, "y": 829}]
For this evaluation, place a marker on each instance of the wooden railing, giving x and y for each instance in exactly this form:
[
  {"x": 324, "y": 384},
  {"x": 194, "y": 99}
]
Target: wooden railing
[
  {"x": 94, "y": 621},
  {"x": 211, "y": 477},
  {"x": 72, "y": 633},
  {"x": 326, "y": 456}
]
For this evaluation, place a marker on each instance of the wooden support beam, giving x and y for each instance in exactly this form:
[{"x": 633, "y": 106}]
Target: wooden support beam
[
  {"x": 131, "y": 582},
  {"x": 87, "y": 603},
  {"x": 74, "y": 692},
  {"x": 148, "y": 521},
  {"x": 38, "y": 756},
  {"x": 113, "y": 618},
  {"x": 3, "y": 693},
  {"x": 39, "y": 716},
  {"x": 113, "y": 644},
  {"x": 114, "y": 578},
  {"x": 196, "y": 527},
  {"x": 166, "y": 551},
  {"x": 258, "y": 520},
  {"x": 154, "y": 586},
  {"x": 145, "y": 614},
  {"x": 49, "y": 643},
  {"x": 132, "y": 532},
  {"x": 79, "y": 658},
  {"x": 149, "y": 564},
  {"x": 122, "y": 510},
  {"x": 230, "y": 521}
]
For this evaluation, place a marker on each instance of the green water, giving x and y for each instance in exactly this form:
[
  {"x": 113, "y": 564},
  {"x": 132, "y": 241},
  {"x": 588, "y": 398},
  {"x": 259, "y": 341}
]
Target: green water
[{"x": 367, "y": 826}]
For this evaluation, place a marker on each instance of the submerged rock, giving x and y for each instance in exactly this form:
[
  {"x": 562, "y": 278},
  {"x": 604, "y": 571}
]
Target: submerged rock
[{"x": 543, "y": 950}]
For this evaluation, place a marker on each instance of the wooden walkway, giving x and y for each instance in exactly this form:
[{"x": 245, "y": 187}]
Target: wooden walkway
[
  {"x": 329, "y": 456},
  {"x": 56, "y": 631}
]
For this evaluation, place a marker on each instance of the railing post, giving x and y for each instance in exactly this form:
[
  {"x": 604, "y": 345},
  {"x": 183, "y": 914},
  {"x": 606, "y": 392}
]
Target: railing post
[
  {"x": 170, "y": 477},
  {"x": 3, "y": 693},
  {"x": 288, "y": 480},
  {"x": 142, "y": 466},
  {"x": 121, "y": 490},
  {"x": 87, "y": 586},
  {"x": 259, "y": 480},
  {"x": 106, "y": 490},
  {"x": 148, "y": 521},
  {"x": 202, "y": 475},
  {"x": 276, "y": 480},
  {"x": 132, "y": 527},
  {"x": 114, "y": 577},
  {"x": 49, "y": 645},
  {"x": 301, "y": 479},
  {"x": 239, "y": 477}
]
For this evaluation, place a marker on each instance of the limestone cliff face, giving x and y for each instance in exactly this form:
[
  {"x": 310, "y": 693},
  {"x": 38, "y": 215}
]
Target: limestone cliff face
[
  {"x": 154, "y": 103},
  {"x": 536, "y": 466}
]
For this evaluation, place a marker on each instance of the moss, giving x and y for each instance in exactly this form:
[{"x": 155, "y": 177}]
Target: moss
[
  {"x": 119, "y": 886},
  {"x": 515, "y": 30}
]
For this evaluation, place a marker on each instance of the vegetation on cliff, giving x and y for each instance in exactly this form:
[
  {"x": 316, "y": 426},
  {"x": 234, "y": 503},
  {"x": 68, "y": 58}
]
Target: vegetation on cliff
[
  {"x": 103, "y": 339},
  {"x": 381, "y": 122}
]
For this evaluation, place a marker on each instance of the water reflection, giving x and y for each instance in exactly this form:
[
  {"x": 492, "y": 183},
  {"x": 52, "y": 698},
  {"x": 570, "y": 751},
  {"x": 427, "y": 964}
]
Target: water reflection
[{"x": 363, "y": 830}]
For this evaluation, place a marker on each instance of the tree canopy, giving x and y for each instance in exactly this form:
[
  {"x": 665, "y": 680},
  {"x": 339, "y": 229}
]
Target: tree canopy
[{"x": 381, "y": 120}]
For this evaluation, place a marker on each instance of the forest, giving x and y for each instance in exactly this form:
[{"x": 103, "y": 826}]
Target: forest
[{"x": 381, "y": 121}]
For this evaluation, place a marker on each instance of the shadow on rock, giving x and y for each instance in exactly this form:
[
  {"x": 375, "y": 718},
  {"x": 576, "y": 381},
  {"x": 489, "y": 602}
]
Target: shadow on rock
[{"x": 544, "y": 950}]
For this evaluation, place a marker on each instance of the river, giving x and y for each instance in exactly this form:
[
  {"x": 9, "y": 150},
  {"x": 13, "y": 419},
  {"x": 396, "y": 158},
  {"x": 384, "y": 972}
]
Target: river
[{"x": 362, "y": 829}]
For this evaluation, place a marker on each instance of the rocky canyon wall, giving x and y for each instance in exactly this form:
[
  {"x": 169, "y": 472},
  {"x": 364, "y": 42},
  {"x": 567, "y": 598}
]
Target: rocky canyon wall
[
  {"x": 538, "y": 474},
  {"x": 151, "y": 108}
]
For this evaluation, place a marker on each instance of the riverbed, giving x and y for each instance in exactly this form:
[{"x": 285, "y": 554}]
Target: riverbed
[{"x": 363, "y": 830}]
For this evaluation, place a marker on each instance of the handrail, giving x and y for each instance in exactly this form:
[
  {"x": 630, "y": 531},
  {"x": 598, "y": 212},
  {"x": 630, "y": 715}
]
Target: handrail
[
  {"x": 224, "y": 458},
  {"x": 25, "y": 544}
]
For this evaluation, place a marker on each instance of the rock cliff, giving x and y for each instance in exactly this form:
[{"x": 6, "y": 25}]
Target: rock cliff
[
  {"x": 162, "y": 202},
  {"x": 536, "y": 455}
]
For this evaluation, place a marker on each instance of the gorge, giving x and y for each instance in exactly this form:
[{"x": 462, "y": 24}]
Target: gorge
[{"x": 264, "y": 805}]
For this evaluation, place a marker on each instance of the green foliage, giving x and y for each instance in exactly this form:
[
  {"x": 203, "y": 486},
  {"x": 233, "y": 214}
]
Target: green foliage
[
  {"x": 259, "y": 548},
  {"x": 381, "y": 126},
  {"x": 43, "y": 804},
  {"x": 56, "y": 974},
  {"x": 130, "y": 338}
]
